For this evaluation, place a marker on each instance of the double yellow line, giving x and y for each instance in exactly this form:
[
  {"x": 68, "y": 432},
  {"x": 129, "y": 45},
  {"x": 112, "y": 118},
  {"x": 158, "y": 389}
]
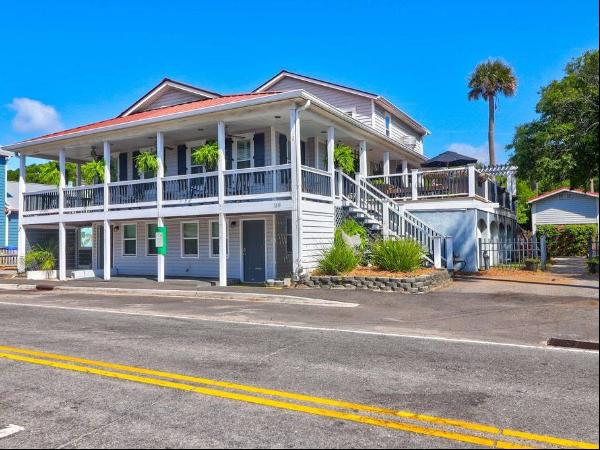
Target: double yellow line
[{"x": 452, "y": 429}]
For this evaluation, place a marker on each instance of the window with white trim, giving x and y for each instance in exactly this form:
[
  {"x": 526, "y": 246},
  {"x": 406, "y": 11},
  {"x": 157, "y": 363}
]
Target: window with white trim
[
  {"x": 388, "y": 124},
  {"x": 151, "y": 239},
  {"x": 130, "y": 240},
  {"x": 214, "y": 238},
  {"x": 244, "y": 154},
  {"x": 189, "y": 239}
]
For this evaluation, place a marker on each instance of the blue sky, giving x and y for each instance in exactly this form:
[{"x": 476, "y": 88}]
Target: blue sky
[{"x": 86, "y": 61}]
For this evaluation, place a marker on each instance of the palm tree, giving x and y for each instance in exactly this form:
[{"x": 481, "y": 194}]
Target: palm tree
[{"x": 488, "y": 80}]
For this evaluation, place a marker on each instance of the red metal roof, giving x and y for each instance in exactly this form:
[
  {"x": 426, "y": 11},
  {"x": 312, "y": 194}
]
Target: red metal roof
[
  {"x": 165, "y": 111},
  {"x": 563, "y": 189}
]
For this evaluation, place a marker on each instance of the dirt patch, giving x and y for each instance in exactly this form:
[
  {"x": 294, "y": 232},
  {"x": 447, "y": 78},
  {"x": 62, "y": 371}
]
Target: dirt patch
[{"x": 498, "y": 273}]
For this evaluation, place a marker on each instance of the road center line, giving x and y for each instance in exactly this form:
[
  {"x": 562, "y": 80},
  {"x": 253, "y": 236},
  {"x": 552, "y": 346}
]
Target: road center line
[
  {"x": 430, "y": 420},
  {"x": 304, "y": 327}
]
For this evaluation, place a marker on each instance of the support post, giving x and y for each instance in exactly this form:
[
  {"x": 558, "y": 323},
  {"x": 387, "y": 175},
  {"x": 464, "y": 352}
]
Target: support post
[
  {"x": 386, "y": 220},
  {"x": 437, "y": 252},
  {"x": 107, "y": 250},
  {"x": 330, "y": 156},
  {"x": 415, "y": 184},
  {"x": 362, "y": 161},
  {"x": 160, "y": 174},
  {"x": 386, "y": 167},
  {"x": 273, "y": 140},
  {"x": 472, "y": 181},
  {"x": 296, "y": 161},
  {"x": 222, "y": 219},
  {"x": 62, "y": 234},
  {"x": 22, "y": 241},
  {"x": 449, "y": 253},
  {"x": 486, "y": 189},
  {"x": 405, "y": 172},
  {"x": 543, "y": 252},
  {"x": 106, "y": 154}
]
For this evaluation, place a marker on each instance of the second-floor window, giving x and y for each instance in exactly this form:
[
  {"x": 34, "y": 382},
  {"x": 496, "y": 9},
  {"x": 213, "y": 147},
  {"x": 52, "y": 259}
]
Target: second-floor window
[
  {"x": 151, "y": 239},
  {"x": 388, "y": 124},
  {"x": 244, "y": 154}
]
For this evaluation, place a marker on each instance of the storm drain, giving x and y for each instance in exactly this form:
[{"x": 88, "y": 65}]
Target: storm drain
[{"x": 572, "y": 343}]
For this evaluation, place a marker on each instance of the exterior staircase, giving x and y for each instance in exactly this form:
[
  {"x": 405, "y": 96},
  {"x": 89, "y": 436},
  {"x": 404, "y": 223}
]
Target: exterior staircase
[{"x": 382, "y": 216}]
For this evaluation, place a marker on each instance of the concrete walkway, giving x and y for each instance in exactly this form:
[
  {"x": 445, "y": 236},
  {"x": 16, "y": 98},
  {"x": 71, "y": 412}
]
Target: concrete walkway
[{"x": 574, "y": 268}]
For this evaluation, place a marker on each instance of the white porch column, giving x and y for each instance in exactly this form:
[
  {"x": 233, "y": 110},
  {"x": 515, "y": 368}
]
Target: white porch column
[
  {"x": 385, "y": 231},
  {"x": 273, "y": 146},
  {"x": 415, "y": 184},
  {"x": 296, "y": 160},
  {"x": 405, "y": 172},
  {"x": 62, "y": 235},
  {"x": 222, "y": 219},
  {"x": 106, "y": 223},
  {"x": 22, "y": 241},
  {"x": 486, "y": 189},
  {"x": 330, "y": 155},
  {"x": 449, "y": 253},
  {"x": 362, "y": 159},
  {"x": 160, "y": 174},
  {"x": 472, "y": 180},
  {"x": 386, "y": 167}
]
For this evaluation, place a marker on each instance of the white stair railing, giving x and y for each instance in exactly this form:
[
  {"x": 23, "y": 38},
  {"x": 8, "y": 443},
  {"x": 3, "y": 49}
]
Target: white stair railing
[{"x": 399, "y": 222}]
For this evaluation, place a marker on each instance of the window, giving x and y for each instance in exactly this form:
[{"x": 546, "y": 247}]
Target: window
[
  {"x": 85, "y": 237},
  {"x": 151, "y": 239},
  {"x": 189, "y": 239},
  {"x": 129, "y": 240},
  {"x": 244, "y": 154},
  {"x": 196, "y": 168},
  {"x": 214, "y": 239},
  {"x": 349, "y": 111},
  {"x": 288, "y": 235},
  {"x": 388, "y": 122}
]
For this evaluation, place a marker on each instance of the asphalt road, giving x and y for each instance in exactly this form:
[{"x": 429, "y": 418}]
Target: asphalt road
[{"x": 62, "y": 403}]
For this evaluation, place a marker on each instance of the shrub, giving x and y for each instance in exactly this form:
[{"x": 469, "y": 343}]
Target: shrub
[
  {"x": 40, "y": 258},
  {"x": 207, "y": 155},
  {"x": 397, "y": 255},
  {"x": 340, "y": 258},
  {"x": 567, "y": 240}
]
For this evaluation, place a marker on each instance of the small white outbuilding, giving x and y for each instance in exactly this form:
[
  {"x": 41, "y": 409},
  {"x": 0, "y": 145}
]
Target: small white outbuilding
[{"x": 564, "y": 206}]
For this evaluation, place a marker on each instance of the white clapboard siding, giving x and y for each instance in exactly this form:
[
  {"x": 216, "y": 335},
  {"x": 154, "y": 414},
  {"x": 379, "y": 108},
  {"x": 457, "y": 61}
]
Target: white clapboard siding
[
  {"x": 566, "y": 208},
  {"x": 172, "y": 96},
  {"x": 399, "y": 131},
  {"x": 345, "y": 101},
  {"x": 177, "y": 265},
  {"x": 318, "y": 227}
]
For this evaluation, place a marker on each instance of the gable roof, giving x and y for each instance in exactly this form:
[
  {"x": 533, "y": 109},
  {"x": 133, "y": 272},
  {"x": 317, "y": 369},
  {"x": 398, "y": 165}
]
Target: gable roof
[
  {"x": 155, "y": 92},
  {"x": 154, "y": 113},
  {"x": 559, "y": 190},
  {"x": 380, "y": 100}
]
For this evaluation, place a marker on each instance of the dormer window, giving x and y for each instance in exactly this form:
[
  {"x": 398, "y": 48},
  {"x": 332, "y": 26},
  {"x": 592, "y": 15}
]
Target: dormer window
[{"x": 388, "y": 123}]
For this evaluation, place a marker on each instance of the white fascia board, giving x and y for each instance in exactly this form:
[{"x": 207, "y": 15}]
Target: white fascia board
[{"x": 5, "y": 153}]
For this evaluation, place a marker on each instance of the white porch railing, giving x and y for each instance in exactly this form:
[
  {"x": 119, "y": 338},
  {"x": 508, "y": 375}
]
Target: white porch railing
[
  {"x": 257, "y": 182},
  {"x": 84, "y": 198},
  {"x": 316, "y": 182},
  {"x": 193, "y": 188},
  {"x": 132, "y": 194},
  {"x": 44, "y": 202}
]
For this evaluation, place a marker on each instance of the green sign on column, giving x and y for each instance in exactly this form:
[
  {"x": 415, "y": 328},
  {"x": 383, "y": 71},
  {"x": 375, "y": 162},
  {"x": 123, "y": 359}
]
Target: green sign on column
[{"x": 161, "y": 240}]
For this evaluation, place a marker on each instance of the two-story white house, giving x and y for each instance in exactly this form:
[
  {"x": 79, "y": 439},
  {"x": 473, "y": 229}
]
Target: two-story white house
[{"x": 272, "y": 204}]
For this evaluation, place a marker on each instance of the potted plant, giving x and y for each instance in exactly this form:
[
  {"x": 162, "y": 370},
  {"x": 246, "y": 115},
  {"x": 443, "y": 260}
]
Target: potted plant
[
  {"x": 146, "y": 164},
  {"x": 40, "y": 263},
  {"x": 343, "y": 157},
  {"x": 532, "y": 264},
  {"x": 593, "y": 265},
  {"x": 93, "y": 172},
  {"x": 207, "y": 156}
]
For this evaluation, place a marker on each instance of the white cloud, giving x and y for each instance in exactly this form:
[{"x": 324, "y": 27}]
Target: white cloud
[
  {"x": 481, "y": 152},
  {"x": 34, "y": 116}
]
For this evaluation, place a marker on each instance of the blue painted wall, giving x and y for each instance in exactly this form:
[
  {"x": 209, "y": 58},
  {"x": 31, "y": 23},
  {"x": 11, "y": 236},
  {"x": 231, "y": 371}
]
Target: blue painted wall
[
  {"x": 13, "y": 229},
  {"x": 3, "y": 218},
  {"x": 461, "y": 226}
]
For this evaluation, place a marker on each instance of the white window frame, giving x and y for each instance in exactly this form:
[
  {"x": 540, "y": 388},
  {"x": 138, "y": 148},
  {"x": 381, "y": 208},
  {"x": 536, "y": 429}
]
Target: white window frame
[
  {"x": 210, "y": 238},
  {"x": 388, "y": 127},
  {"x": 349, "y": 111},
  {"x": 123, "y": 239},
  {"x": 234, "y": 150},
  {"x": 147, "y": 240},
  {"x": 183, "y": 239}
]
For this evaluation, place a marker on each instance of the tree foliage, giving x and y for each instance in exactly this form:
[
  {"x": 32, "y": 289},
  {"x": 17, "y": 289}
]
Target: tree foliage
[
  {"x": 561, "y": 146},
  {"x": 343, "y": 157},
  {"x": 93, "y": 171},
  {"x": 44, "y": 173}
]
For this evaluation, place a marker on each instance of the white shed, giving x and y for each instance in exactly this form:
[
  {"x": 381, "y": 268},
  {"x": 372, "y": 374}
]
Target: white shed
[{"x": 564, "y": 206}]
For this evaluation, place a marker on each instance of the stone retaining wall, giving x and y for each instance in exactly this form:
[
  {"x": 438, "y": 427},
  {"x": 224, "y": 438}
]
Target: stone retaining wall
[{"x": 411, "y": 285}]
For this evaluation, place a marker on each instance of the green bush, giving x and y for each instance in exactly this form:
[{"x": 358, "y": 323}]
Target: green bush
[
  {"x": 397, "y": 255},
  {"x": 40, "y": 257},
  {"x": 567, "y": 240},
  {"x": 343, "y": 157},
  {"x": 338, "y": 259}
]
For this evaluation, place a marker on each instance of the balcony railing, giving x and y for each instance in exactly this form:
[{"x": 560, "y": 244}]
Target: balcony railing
[
  {"x": 316, "y": 182},
  {"x": 240, "y": 185}
]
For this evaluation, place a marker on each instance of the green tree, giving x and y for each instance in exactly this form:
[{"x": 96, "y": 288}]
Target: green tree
[
  {"x": 44, "y": 173},
  {"x": 488, "y": 81},
  {"x": 561, "y": 146}
]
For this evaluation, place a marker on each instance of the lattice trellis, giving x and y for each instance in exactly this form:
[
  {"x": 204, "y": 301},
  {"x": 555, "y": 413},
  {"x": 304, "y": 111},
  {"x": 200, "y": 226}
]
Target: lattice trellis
[
  {"x": 341, "y": 214},
  {"x": 500, "y": 170}
]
